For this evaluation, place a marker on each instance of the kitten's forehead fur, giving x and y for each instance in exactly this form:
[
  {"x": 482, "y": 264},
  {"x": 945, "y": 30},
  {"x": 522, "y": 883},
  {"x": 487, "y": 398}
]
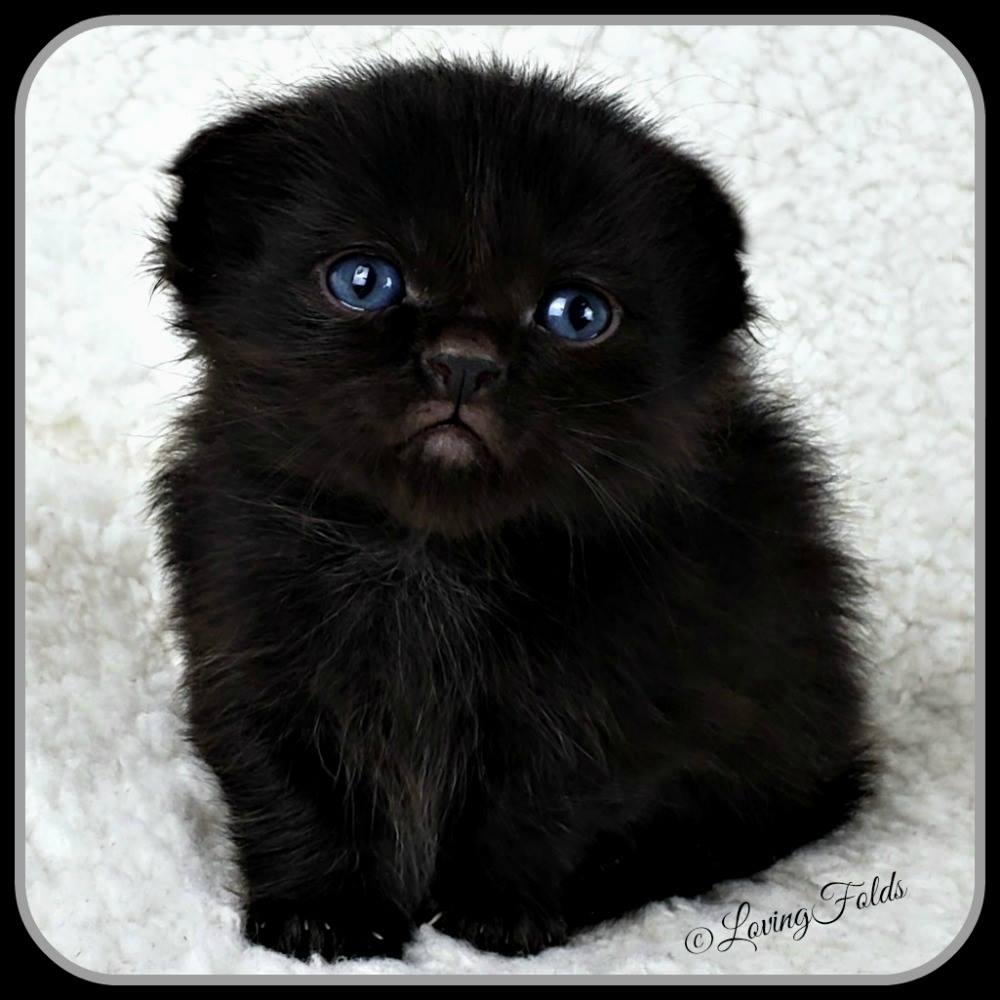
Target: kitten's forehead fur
[{"x": 477, "y": 170}]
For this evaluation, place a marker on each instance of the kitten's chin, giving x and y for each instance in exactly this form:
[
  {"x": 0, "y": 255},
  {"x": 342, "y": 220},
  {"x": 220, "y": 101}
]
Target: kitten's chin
[
  {"x": 434, "y": 434},
  {"x": 450, "y": 484},
  {"x": 448, "y": 445}
]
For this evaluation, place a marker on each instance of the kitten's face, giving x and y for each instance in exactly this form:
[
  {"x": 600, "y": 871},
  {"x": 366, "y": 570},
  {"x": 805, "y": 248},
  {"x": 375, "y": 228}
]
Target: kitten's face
[{"x": 464, "y": 295}]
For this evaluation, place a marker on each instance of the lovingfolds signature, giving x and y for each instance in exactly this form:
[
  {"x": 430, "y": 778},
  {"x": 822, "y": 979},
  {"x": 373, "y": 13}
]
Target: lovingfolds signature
[{"x": 740, "y": 926}]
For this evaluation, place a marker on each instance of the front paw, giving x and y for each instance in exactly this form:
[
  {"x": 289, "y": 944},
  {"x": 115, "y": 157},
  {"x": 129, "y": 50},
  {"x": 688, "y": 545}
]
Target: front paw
[
  {"x": 302, "y": 929},
  {"x": 511, "y": 930}
]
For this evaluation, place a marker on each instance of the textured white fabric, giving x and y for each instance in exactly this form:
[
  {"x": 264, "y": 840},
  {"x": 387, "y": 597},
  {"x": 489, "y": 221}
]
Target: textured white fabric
[{"x": 851, "y": 150}]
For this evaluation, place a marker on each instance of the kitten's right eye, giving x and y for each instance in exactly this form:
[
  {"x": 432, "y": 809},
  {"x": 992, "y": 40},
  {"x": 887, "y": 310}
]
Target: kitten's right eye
[{"x": 365, "y": 283}]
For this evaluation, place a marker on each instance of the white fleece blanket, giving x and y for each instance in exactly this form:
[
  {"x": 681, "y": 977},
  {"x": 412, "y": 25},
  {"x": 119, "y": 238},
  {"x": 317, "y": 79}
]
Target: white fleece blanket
[{"x": 852, "y": 152}]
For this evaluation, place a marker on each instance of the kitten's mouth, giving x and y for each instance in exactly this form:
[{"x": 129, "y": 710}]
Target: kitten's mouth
[
  {"x": 453, "y": 436},
  {"x": 451, "y": 441}
]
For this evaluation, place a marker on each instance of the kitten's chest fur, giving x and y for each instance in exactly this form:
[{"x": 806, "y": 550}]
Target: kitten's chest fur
[{"x": 407, "y": 661}]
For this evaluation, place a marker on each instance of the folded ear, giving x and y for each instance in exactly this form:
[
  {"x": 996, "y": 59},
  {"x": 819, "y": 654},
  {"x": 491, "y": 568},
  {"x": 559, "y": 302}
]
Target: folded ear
[
  {"x": 228, "y": 184},
  {"x": 710, "y": 228}
]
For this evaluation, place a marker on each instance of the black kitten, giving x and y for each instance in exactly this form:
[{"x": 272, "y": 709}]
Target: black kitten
[{"x": 505, "y": 594}]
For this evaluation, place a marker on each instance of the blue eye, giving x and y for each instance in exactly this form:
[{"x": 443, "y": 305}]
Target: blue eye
[
  {"x": 575, "y": 313},
  {"x": 365, "y": 283}
]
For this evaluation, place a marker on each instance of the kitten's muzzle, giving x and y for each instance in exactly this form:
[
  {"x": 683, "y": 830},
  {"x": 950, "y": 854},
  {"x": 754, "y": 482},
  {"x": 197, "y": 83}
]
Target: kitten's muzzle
[{"x": 462, "y": 375}]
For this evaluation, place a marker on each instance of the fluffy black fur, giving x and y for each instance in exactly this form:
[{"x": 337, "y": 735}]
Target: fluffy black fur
[{"x": 607, "y": 654}]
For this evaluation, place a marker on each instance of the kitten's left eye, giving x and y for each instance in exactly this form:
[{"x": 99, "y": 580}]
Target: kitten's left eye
[
  {"x": 365, "y": 283},
  {"x": 575, "y": 313}
]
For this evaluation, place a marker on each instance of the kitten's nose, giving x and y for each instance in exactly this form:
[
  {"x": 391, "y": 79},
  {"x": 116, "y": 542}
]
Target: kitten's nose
[{"x": 462, "y": 375}]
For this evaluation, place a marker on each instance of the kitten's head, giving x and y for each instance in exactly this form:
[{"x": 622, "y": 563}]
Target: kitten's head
[{"x": 464, "y": 292}]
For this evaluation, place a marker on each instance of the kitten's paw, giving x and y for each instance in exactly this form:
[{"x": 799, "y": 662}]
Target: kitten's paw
[
  {"x": 514, "y": 931},
  {"x": 304, "y": 929}
]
